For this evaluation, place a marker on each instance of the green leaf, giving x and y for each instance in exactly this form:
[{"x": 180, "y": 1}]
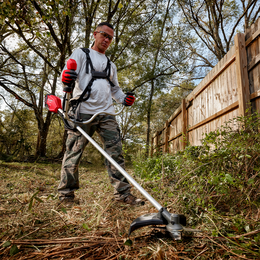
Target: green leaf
[
  {"x": 85, "y": 226},
  {"x": 120, "y": 5},
  {"x": 128, "y": 242},
  {"x": 64, "y": 210},
  {"x": 31, "y": 200},
  {"x": 35, "y": 194},
  {"x": 51, "y": 196},
  {"x": 6, "y": 244},
  {"x": 38, "y": 199},
  {"x": 251, "y": 181},
  {"x": 229, "y": 178},
  {"x": 30, "y": 204},
  {"x": 14, "y": 250}
]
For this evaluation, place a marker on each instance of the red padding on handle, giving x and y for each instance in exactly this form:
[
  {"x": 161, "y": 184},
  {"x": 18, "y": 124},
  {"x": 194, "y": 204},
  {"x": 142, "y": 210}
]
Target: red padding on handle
[{"x": 71, "y": 64}]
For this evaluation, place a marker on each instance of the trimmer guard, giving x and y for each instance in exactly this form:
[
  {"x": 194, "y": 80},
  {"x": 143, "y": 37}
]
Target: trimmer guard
[
  {"x": 153, "y": 219},
  {"x": 174, "y": 222}
]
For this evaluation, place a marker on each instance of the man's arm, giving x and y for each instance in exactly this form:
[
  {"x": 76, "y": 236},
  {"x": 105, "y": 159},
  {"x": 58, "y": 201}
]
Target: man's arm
[{"x": 118, "y": 95}]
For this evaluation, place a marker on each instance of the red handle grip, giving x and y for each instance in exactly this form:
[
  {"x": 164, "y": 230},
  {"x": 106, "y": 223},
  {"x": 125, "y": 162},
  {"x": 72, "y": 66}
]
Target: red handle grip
[{"x": 71, "y": 64}]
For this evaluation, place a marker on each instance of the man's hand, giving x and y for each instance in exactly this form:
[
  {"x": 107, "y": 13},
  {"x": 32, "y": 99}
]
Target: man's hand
[
  {"x": 68, "y": 77},
  {"x": 129, "y": 99}
]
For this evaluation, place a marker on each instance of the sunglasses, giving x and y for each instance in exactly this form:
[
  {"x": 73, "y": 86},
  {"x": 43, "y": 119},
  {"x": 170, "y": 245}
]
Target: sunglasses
[{"x": 105, "y": 35}]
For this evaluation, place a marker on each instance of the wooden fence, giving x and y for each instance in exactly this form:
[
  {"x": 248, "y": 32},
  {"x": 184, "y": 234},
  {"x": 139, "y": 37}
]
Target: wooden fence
[{"x": 225, "y": 93}]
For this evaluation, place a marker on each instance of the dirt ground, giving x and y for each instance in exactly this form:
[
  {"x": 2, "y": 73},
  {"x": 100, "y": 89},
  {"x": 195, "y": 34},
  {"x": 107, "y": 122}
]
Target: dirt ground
[{"x": 35, "y": 226}]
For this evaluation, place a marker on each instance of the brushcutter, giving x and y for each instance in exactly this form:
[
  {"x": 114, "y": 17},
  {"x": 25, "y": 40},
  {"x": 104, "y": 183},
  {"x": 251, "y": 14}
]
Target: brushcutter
[{"x": 173, "y": 223}]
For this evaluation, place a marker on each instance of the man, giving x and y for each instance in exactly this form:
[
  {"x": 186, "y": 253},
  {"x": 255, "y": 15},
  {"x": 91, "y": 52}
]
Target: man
[{"x": 96, "y": 83}]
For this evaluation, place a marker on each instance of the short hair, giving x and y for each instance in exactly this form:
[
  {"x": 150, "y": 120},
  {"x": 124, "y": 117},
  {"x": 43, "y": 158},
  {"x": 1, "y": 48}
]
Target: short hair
[{"x": 107, "y": 24}]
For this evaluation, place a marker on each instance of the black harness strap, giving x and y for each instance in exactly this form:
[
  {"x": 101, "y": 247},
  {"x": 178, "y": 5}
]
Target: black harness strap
[
  {"x": 95, "y": 75},
  {"x": 98, "y": 75}
]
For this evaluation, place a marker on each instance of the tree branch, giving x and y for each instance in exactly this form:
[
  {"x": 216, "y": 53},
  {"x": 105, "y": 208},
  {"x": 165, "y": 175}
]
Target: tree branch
[
  {"x": 239, "y": 19},
  {"x": 20, "y": 32},
  {"x": 16, "y": 95}
]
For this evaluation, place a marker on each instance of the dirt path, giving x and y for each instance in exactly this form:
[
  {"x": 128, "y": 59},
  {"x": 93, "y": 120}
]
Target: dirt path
[{"x": 34, "y": 226}]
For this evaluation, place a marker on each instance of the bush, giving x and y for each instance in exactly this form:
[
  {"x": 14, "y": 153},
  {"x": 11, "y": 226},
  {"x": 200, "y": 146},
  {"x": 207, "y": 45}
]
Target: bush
[{"x": 220, "y": 177}]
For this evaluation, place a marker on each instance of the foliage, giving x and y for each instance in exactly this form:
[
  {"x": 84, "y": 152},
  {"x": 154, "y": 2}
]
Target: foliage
[
  {"x": 167, "y": 102},
  {"x": 214, "y": 25},
  {"x": 215, "y": 183},
  {"x": 157, "y": 56},
  {"x": 15, "y": 142},
  {"x": 46, "y": 32}
]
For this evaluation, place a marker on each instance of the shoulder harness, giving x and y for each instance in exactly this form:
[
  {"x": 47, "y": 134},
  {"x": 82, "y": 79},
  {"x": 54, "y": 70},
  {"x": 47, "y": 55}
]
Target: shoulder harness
[{"x": 105, "y": 74}]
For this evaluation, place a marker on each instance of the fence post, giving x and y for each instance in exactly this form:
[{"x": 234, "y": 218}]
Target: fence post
[
  {"x": 157, "y": 141},
  {"x": 242, "y": 74},
  {"x": 166, "y": 137},
  {"x": 184, "y": 124}
]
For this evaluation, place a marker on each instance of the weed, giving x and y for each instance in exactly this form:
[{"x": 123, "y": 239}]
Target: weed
[{"x": 217, "y": 184}]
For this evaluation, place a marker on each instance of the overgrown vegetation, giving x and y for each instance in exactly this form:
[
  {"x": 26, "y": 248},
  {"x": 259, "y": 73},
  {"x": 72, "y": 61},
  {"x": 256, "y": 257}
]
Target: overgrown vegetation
[{"x": 217, "y": 184}]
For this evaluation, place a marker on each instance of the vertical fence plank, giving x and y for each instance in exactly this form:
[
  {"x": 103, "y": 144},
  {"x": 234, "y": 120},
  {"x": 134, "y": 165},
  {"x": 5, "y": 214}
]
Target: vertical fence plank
[
  {"x": 184, "y": 124},
  {"x": 242, "y": 74},
  {"x": 166, "y": 137},
  {"x": 157, "y": 141}
]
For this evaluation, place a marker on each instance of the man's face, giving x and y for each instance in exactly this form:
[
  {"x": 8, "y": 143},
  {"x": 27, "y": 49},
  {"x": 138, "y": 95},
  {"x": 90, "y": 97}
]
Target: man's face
[{"x": 103, "y": 38}]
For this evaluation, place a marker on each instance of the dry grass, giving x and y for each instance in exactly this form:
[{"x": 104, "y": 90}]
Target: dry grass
[{"x": 97, "y": 228}]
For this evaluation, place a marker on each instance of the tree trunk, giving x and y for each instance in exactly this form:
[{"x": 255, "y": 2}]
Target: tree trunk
[
  {"x": 42, "y": 140},
  {"x": 149, "y": 119},
  {"x": 152, "y": 83}
]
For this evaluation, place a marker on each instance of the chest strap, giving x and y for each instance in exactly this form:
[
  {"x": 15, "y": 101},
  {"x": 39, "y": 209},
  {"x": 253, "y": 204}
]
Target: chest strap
[{"x": 105, "y": 74}]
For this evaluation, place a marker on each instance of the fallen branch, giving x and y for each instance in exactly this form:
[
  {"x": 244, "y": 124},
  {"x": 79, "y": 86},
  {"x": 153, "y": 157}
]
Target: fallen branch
[
  {"x": 247, "y": 234},
  {"x": 203, "y": 251},
  {"x": 59, "y": 241},
  {"x": 67, "y": 251}
]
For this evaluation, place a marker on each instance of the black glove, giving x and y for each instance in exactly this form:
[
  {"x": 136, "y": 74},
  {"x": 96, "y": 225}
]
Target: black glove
[{"x": 129, "y": 99}]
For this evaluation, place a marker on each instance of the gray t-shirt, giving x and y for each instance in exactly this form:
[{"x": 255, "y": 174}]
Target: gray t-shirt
[{"x": 101, "y": 91}]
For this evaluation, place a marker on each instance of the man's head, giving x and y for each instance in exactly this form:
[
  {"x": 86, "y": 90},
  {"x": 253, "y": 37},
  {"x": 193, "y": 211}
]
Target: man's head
[{"x": 103, "y": 35}]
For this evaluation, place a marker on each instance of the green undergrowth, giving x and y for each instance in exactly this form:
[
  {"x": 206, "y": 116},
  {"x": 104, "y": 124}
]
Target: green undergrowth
[{"x": 216, "y": 185}]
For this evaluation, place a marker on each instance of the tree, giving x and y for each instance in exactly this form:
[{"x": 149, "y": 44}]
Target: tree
[
  {"x": 215, "y": 24},
  {"x": 42, "y": 31},
  {"x": 14, "y": 141},
  {"x": 168, "y": 102},
  {"x": 165, "y": 57},
  {"x": 47, "y": 31}
]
